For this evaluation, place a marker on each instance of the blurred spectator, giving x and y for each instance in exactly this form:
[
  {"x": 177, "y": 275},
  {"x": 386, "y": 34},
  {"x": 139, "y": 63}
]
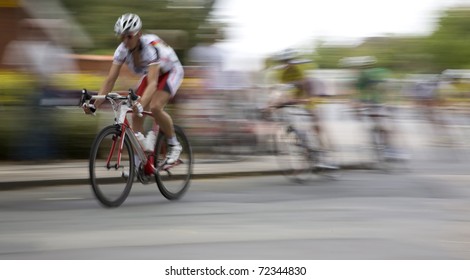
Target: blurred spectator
[
  {"x": 44, "y": 60},
  {"x": 428, "y": 97},
  {"x": 209, "y": 56},
  {"x": 224, "y": 98},
  {"x": 36, "y": 54}
]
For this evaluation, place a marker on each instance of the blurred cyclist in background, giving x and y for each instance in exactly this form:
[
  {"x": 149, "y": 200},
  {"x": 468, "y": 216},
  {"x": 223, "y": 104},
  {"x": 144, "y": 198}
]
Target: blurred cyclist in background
[
  {"x": 162, "y": 73},
  {"x": 305, "y": 90},
  {"x": 428, "y": 96},
  {"x": 369, "y": 86},
  {"x": 370, "y": 97}
]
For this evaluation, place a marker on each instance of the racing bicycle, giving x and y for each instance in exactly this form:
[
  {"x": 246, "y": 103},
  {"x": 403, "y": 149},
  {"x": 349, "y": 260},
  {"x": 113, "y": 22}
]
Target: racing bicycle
[
  {"x": 385, "y": 156},
  {"x": 117, "y": 158},
  {"x": 298, "y": 150}
]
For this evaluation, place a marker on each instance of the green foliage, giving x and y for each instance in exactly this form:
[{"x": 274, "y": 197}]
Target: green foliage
[
  {"x": 329, "y": 56},
  {"x": 449, "y": 44},
  {"x": 446, "y": 48},
  {"x": 15, "y": 88},
  {"x": 78, "y": 80},
  {"x": 69, "y": 129},
  {"x": 98, "y": 18},
  {"x": 77, "y": 132},
  {"x": 73, "y": 130},
  {"x": 6, "y": 131}
]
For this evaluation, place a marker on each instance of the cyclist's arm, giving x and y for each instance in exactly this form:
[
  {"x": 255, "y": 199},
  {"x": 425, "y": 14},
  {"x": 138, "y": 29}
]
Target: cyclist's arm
[
  {"x": 109, "y": 82},
  {"x": 152, "y": 81},
  {"x": 288, "y": 98}
]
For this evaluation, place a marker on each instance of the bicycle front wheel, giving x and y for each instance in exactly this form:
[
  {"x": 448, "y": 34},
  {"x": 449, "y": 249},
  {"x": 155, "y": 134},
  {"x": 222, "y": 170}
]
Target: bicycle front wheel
[
  {"x": 293, "y": 155},
  {"x": 111, "y": 167},
  {"x": 173, "y": 180}
]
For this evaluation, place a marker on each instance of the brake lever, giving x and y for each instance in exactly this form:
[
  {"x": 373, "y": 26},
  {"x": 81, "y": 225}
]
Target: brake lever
[
  {"x": 84, "y": 97},
  {"x": 133, "y": 97}
]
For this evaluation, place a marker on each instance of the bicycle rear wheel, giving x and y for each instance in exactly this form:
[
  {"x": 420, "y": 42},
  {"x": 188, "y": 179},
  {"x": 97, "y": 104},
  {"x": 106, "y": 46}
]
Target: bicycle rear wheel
[
  {"x": 386, "y": 159},
  {"x": 379, "y": 148},
  {"x": 173, "y": 180},
  {"x": 111, "y": 182},
  {"x": 292, "y": 155}
]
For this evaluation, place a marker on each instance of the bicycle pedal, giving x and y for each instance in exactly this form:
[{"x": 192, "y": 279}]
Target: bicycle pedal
[{"x": 168, "y": 166}]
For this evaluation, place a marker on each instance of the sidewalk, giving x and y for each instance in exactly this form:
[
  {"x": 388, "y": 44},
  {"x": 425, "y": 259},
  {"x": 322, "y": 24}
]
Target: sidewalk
[
  {"x": 347, "y": 135},
  {"x": 15, "y": 175}
]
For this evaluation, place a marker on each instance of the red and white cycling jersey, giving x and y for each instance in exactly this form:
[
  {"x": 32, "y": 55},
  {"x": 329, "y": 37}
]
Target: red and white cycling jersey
[{"x": 154, "y": 51}]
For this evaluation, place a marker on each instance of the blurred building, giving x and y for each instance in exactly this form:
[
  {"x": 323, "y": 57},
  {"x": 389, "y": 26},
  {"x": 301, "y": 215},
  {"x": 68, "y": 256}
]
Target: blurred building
[{"x": 15, "y": 11}]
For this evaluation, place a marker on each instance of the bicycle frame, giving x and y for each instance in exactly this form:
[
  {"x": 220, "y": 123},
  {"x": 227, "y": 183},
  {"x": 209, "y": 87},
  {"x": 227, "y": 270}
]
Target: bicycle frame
[
  {"x": 120, "y": 106},
  {"x": 300, "y": 119},
  {"x": 114, "y": 141}
]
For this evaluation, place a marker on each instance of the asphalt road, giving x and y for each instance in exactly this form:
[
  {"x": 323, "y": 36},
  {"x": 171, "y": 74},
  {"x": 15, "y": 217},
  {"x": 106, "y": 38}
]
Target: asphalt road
[{"x": 421, "y": 213}]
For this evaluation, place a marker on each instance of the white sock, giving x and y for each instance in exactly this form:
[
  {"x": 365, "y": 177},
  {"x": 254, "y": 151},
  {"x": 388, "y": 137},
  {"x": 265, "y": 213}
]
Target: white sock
[{"x": 173, "y": 141}]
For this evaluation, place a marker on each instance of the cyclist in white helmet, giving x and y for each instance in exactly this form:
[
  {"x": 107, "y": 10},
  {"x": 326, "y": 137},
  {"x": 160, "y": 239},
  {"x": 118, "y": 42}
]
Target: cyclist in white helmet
[{"x": 162, "y": 73}]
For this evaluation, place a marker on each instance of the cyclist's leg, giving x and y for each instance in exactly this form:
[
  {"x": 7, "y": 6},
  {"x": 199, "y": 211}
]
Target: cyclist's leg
[
  {"x": 138, "y": 122},
  {"x": 157, "y": 105},
  {"x": 166, "y": 89},
  {"x": 326, "y": 159},
  {"x": 168, "y": 84},
  {"x": 387, "y": 133},
  {"x": 319, "y": 129}
]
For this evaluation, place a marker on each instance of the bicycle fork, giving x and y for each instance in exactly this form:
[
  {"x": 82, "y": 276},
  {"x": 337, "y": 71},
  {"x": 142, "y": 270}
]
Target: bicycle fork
[{"x": 134, "y": 143}]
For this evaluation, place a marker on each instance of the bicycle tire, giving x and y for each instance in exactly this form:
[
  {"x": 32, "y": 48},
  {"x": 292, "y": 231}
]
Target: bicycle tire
[
  {"x": 292, "y": 155},
  {"x": 106, "y": 179},
  {"x": 174, "y": 181}
]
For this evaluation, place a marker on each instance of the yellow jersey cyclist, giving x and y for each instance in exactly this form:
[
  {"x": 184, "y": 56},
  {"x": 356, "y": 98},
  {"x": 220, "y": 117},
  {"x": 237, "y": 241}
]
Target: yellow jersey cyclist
[{"x": 305, "y": 90}]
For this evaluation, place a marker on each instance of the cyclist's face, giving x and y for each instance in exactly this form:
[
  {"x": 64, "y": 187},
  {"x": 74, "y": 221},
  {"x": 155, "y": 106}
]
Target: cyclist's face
[{"x": 130, "y": 40}]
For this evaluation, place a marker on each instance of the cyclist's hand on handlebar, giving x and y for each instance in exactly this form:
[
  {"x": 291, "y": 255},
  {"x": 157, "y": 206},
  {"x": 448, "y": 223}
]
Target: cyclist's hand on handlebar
[
  {"x": 137, "y": 108},
  {"x": 89, "y": 109}
]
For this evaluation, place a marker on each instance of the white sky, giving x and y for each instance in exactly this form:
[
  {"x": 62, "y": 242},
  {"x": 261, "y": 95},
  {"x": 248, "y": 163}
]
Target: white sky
[{"x": 261, "y": 27}]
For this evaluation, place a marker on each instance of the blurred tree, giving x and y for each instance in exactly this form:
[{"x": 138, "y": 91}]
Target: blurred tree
[
  {"x": 98, "y": 17},
  {"x": 328, "y": 56},
  {"x": 449, "y": 44},
  {"x": 447, "y": 47}
]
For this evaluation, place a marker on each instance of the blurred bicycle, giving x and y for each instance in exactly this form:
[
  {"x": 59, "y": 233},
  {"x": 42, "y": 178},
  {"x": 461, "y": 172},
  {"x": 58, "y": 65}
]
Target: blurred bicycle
[
  {"x": 386, "y": 156},
  {"x": 298, "y": 148}
]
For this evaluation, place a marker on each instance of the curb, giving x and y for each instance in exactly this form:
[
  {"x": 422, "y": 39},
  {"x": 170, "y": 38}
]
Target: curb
[{"x": 17, "y": 185}]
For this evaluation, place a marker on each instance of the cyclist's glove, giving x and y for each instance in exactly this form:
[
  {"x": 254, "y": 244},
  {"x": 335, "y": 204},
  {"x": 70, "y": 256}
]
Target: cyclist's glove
[
  {"x": 91, "y": 107},
  {"x": 139, "y": 108}
]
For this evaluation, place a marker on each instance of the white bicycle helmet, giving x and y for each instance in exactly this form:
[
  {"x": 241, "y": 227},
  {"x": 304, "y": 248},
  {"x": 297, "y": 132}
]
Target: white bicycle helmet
[
  {"x": 357, "y": 61},
  {"x": 128, "y": 23},
  {"x": 286, "y": 54}
]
